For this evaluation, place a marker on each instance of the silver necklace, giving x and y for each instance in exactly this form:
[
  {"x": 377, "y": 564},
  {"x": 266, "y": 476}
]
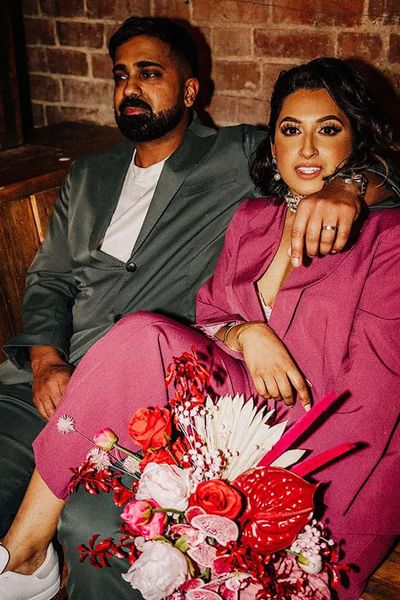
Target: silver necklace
[{"x": 292, "y": 200}]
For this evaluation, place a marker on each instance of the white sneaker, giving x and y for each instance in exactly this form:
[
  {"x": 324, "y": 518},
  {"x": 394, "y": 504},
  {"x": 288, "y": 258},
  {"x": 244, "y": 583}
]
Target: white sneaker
[{"x": 43, "y": 584}]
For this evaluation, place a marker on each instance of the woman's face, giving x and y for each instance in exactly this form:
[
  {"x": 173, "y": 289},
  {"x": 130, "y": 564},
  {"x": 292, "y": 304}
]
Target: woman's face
[{"x": 312, "y": 137}]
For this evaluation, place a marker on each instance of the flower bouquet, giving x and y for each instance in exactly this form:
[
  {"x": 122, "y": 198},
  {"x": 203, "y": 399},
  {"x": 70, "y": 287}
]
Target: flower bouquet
[{"x": 215, "y": 505}]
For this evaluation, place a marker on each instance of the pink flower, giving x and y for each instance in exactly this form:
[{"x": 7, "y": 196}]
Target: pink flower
[
  {"x": 105, "y": 439},
  {"x": 139, "y": 515}
]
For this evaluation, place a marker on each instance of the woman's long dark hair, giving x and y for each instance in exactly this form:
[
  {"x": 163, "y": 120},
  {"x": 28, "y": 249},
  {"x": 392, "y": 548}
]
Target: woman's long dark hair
[{"x": 372, "y": 135}]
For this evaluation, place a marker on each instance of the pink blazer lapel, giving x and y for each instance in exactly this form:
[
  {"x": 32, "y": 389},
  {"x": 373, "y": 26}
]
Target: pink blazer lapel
[
  {"x": 307, "y": 275},
  {"x": 256, "y": 248}
]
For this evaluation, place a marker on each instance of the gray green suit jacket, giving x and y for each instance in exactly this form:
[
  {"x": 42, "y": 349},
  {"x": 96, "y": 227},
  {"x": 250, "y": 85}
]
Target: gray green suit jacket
[{"x": 75, "y": 292}]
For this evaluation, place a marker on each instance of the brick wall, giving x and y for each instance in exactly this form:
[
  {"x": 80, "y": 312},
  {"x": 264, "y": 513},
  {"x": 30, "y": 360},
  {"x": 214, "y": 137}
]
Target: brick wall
[{"x": 250, "y": 41}]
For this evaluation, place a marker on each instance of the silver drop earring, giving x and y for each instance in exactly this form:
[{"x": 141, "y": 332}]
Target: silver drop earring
[{"x": 276, "y": 175}]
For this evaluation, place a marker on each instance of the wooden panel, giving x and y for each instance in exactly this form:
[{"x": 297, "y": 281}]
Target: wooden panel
[
  {"x": 42, "y": 205},
  {"x": 385, "y": 584},
  {"x": 23, "y": 224}
]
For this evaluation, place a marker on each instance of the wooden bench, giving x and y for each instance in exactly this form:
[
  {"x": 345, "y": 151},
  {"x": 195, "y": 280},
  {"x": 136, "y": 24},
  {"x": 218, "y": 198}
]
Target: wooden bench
[
  {"x": 30, "y": 177},
  {"x": 29, "y": 181}
]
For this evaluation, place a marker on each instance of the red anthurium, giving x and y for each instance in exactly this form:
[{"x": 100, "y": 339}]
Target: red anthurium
[{"x": 279, "y": 504}]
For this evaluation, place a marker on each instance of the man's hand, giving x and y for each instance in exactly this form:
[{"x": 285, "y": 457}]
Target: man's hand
[
  {"x": 273, "y": 370},
  {"x": 338, "y": 205},
  {"x": 50, "y": 378}
]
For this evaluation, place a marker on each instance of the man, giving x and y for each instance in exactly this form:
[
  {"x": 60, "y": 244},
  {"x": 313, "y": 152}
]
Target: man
[{"x": 138, "y": 227}]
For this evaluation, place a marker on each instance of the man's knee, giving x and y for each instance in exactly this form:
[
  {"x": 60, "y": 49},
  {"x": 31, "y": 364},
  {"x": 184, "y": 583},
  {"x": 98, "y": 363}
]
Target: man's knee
[
  {"x": 19, "y": 425},
  {"x": 83, "y": 516}
]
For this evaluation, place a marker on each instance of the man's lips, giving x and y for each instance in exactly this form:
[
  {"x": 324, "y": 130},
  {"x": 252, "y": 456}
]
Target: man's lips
[
  {"x": 308, "y": 171},
  {"x": 133, "y": 110}
]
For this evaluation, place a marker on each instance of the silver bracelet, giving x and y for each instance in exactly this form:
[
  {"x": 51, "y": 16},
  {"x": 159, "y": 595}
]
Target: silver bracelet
[{"x": 356, "y": 178}]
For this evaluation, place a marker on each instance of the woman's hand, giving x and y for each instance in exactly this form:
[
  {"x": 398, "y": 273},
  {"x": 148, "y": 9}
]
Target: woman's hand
[{"x": 274, "y": 372}]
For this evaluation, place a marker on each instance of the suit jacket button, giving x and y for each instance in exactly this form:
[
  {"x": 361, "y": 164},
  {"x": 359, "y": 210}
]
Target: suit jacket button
[{"x": 131, "y": 267}]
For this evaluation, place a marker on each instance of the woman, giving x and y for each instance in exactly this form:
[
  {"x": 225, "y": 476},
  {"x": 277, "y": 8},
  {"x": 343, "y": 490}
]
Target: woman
[{"x": 330, "y": 324}]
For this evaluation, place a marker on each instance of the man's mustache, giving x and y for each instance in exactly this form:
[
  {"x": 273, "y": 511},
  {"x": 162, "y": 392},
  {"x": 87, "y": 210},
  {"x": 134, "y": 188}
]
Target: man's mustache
[{"x": 131, "y": 101}]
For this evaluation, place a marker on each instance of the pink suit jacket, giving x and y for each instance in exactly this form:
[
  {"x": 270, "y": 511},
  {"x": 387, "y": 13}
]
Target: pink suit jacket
[{"x": 339, "y": 316}]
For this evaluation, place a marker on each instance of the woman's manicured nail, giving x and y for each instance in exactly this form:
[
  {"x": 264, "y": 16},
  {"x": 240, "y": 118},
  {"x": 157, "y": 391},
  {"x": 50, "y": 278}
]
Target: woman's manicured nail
[
  {"x": 307, "y": 407},
  {"x": 296, "y": 261}
]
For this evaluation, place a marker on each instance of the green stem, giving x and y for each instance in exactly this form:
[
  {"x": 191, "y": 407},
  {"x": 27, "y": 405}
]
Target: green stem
[
  {"x": 128, "y": 452},
  {"x": 168, "y": 510}
]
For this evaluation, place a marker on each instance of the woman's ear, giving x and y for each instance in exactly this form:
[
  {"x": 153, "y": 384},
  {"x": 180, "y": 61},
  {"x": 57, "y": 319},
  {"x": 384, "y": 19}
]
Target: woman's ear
[{"x": 273, "y": 150}]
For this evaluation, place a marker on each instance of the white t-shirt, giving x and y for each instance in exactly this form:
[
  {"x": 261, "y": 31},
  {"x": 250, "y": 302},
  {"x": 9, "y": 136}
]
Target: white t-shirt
[{"x": 130, "y": 213}]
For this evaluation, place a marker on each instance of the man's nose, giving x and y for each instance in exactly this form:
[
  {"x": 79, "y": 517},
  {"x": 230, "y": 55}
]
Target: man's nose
[{"x": 132, "y": 87}]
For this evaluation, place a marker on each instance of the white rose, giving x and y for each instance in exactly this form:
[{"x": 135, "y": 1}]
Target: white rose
[
  {"x": 158, "y": 571},
  {"x": 166, "y": 484}
]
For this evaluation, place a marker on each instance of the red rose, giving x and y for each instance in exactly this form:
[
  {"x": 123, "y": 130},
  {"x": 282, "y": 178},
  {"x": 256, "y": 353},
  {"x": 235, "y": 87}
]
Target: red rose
[
  {"x": 151, "y": 427},
  {"x": 164, "y": 457},
  {"x": 217, "y": 498}
]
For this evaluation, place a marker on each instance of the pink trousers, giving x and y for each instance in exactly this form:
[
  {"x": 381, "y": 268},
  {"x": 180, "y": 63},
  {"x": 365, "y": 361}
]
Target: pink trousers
[{"x": 124, "y": 371}]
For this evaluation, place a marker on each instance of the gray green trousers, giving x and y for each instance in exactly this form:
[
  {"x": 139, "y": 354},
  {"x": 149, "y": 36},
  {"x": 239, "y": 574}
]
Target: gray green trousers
[{"x": 83, "y": 516}]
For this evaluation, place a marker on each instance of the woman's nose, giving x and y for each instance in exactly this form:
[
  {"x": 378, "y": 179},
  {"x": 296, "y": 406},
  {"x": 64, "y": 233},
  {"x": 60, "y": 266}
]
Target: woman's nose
[{"x": 308, "y": 148}]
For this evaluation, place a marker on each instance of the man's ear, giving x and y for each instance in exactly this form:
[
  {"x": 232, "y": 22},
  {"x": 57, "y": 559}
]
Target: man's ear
[{"x": 192, "y": 87}]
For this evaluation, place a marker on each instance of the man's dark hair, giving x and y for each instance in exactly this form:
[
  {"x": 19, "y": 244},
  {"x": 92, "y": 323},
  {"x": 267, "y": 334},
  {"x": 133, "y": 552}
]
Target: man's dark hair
[
  {"x": 372, "y": 135},
  {"x": 166, "y": 30}
]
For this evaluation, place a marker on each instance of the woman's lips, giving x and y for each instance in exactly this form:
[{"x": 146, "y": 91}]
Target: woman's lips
[{"x": 308, "y": 172}]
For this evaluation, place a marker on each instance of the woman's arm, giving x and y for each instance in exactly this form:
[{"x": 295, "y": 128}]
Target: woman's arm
[{"x": 272, "y": 369}]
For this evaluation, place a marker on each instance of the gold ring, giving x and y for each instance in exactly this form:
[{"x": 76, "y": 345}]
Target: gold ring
[{"x": 329, "y": 227}]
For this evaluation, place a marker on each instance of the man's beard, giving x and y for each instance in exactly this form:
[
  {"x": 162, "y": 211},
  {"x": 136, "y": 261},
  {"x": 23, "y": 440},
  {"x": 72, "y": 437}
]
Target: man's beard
[{"x": 148, "y": 126}]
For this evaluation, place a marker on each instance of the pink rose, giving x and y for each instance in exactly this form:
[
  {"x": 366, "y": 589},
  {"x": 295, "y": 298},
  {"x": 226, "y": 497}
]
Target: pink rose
[
  {"x": 105, "y": 439},
  {"x": 142, "y": 520}
]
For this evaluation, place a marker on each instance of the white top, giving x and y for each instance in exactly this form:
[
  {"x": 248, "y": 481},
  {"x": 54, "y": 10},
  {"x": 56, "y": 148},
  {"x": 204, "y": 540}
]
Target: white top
[{"x": 130, "y": 213}]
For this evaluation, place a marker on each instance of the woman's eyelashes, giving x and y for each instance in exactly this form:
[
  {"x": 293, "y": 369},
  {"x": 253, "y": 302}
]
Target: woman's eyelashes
[
  {"x": 330, "y": 129},
  {"x": 290, "y": 129}
]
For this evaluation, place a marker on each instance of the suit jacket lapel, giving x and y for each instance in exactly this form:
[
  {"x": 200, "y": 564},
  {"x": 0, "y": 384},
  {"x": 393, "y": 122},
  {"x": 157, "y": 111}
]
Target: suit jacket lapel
[{"x": 175, "y": 171}]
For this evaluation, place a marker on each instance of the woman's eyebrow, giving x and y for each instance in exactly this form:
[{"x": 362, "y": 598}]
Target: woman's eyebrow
[
  {"x": 320, "y": 120},
  {"x": 330, "y": 118},
  {"x": 292, "y": 119}
]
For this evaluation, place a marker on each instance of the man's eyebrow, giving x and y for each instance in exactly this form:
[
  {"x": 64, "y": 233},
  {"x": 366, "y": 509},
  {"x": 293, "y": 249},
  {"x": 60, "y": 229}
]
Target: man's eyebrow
[
  {"x": 141, "y": 64},
  {"x": 321, "y": 120}
]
